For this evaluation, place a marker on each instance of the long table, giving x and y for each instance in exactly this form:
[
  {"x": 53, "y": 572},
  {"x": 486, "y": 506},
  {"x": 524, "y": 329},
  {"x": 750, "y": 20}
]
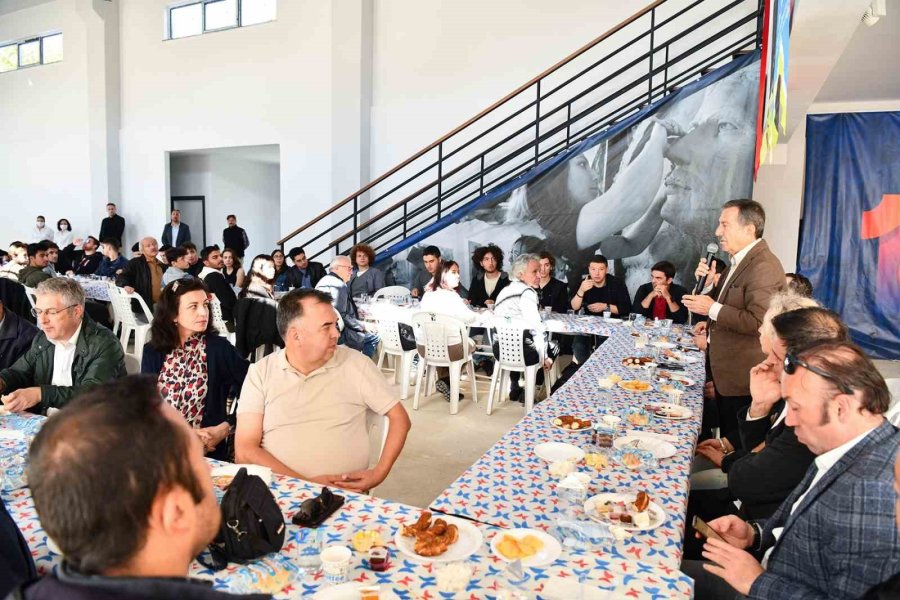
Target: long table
[
  {"x": 509, "y": 486},
  {"x": 407, "y": 578}
]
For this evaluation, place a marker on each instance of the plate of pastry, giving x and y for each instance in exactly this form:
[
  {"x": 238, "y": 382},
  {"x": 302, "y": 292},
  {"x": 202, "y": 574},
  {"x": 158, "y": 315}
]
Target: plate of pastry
[
  {"x": 438, "y": 539},
  {"x": 636, "y": 362},
  {"x": 531, "y": 546},
  {"x": 631, "y": 511},
  {"x": 673, "y": 412},
  {"x": 636, "y": 386},
  {"x": 572, "y": 424}
]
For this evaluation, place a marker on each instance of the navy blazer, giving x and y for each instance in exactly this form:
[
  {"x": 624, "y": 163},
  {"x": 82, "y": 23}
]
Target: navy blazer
[
  {"x": 16, "y": 336},
  {"x": 843, "y": 538},
  {"x": 225, "y": 374},
  {"x": 184, "y": 235}
]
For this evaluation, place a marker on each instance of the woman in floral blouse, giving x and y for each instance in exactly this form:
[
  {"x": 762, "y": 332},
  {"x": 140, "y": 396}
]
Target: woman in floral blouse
[{"x": 197, "y": 370}]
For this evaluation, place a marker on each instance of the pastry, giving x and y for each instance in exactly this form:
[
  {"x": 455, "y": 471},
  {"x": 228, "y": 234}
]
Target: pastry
[{"x": 641, "y": 502}]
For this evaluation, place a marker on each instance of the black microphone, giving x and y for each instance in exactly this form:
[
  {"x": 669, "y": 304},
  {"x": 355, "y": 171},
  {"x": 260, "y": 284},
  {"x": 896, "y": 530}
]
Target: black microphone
[{"x": 711, "y": 250}]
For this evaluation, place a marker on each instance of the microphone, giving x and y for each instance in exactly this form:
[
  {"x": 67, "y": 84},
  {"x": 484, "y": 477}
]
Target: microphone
[{"x": 711, "y": 250}]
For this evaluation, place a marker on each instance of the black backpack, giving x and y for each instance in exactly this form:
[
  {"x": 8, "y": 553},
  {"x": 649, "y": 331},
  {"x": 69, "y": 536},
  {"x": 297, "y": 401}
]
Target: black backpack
[
  {"x": 252, "y": 524},
  {"x": 16, "y": 564}
]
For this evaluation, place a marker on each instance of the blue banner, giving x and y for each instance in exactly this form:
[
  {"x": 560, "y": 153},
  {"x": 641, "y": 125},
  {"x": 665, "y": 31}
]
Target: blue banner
[{"x": 850, "y": 238}]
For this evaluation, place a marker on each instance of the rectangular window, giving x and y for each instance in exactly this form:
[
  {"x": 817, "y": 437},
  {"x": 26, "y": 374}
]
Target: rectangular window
[
  {"x": 205, "y": 16},
  {"x": 52, "y": 48},
  {"x": 185, "y": 21},
  {"x": 220, "y": 14},
  {"x": 39, "y": 50}
]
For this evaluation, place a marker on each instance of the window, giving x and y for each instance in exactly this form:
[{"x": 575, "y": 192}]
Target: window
[
  {"x": 30, "y": 52},
  {"x": 205, "y": 16}
]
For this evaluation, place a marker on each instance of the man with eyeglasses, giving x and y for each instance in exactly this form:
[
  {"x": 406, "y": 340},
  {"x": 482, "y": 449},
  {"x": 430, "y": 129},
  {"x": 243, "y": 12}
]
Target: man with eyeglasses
[
  {"x": 835, "y": 536},
  {"x": 72, "y": 352},
  {"x": 356, "y": 334}
]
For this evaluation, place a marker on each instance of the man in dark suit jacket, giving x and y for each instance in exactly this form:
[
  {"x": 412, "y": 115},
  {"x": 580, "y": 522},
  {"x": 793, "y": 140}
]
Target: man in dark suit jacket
[
  {"x": 736, "y": 306},
  {"x": 16, "y": 335},
  {"x": 112, "y": 226},
  {"x": 661, "y": 298},
  {"x": 836, "y": 535},
  {"x": 304, "y": 274},
  {"x": 181, "y": 230}
]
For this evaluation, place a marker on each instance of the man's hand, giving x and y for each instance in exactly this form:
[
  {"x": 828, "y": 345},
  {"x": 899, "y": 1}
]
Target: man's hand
[
  {"x": 705, "y": 269},
  {"x": 414, "y": 293},
  {"x": 597, "y": 307},
  {"x": 716, "y": 444},
  {"x": 326, "y": 480},
  {"x": 23, "y": 399},
  {"x": 765, "y": 389},
  {"x": 359, "y": 481},
  {"x": 586, "y": 285},
  {"x": 737, "y": 567},
  {"x": 128, "y": 289},
  {"x": 699, "y": 304},
  {"x": 663, "y": 292},
  {"x": 700, "y": 328},
  {"x": 213, "y": 436},
  {"x": 714, "y": 455},
  {"x": 733, "y": 530}
]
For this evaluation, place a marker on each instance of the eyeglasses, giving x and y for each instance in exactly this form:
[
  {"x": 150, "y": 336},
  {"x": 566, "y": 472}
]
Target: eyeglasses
[
  {"x": 51, "y": 312},
  {"x": 791, "y": 363}
]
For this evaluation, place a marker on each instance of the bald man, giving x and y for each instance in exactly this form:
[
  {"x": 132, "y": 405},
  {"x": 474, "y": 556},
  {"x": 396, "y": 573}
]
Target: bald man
[{"x": 143, "y": 274}]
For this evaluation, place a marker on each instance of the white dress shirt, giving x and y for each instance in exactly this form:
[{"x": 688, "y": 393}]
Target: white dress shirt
[
  {"x": 781, "y": 416},
  {"x": 63, "y": 358},
  {"x": 823, "y": 462},
  {"x": 735, "y": 261},
  {"x": 175, "y": 229}
]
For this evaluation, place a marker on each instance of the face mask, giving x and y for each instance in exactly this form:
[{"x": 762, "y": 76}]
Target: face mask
[
  {"x": 63, "y": 227},
  {"x": 40, "y": 224},
  {"x": 451, "y": 279}
]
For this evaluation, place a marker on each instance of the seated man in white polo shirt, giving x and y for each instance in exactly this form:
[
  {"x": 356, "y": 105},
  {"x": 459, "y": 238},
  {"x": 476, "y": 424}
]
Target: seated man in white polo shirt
[{"x": 302, "y": 410}]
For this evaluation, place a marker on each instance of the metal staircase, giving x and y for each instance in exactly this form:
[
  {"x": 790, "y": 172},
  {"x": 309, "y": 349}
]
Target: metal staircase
[{"x": 659, "y": 49}]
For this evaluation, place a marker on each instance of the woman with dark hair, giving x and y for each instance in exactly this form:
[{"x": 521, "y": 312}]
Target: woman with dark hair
[
  {"x": 278, "y": 259},
  {"x": 260, "y": 281},
  {"x": 196, "y": 368},
  {"x": 489, "y": 279},
  {"x": 447, "y": 277},
  {"x": 232, "y": 269},
  {"x": 366, "y": 279}
]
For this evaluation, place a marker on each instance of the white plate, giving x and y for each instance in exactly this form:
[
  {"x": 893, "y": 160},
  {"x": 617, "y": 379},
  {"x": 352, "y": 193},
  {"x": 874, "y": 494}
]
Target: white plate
[
  {"x": 550, "y": 552},
  {"x": 664, "y": 345},
  {"x": 613, "y": 320},
  {"x": 469, "y": 542},
  {"x": 583, "y": 429},
  {"x": 684, "y": 412},
  {"x": 52, "y": 547},
  {"x": 660, "y": 448},
  {"x": 557, "y": 451},
  {"x": 350, "y": 591},
  {"x": 657, "y": 514}
]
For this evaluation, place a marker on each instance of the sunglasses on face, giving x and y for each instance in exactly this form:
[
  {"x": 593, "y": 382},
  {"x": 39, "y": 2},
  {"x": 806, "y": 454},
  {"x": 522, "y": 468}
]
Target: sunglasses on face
[{"x": 791, "y": 363}]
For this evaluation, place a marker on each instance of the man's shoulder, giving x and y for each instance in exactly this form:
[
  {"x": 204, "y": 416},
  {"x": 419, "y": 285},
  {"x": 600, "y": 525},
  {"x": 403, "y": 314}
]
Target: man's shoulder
[{"x": 97, "y": 332}]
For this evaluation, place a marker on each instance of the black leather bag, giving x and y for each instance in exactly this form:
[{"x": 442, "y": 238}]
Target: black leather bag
[{"x": 252, "y": 524}]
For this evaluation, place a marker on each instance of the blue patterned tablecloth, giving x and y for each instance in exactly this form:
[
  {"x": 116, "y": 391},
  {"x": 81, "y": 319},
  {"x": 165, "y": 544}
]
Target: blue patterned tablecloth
[{"x": 509, "y": 486}]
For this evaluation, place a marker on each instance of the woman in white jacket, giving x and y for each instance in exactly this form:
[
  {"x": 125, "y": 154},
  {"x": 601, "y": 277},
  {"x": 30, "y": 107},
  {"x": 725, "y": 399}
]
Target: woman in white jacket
[{"x": 441, "y": 297}]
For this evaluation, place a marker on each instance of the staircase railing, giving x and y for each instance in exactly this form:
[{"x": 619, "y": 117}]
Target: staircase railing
[{"x": 653, "y": 53}]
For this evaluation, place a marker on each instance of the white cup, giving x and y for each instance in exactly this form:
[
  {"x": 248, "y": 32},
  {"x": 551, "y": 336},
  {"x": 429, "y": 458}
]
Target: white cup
[{"x": 336, "y": 564}]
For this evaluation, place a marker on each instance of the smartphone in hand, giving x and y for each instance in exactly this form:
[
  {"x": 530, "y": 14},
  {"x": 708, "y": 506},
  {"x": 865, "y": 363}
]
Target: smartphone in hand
[{"x": 705, "y": 530}]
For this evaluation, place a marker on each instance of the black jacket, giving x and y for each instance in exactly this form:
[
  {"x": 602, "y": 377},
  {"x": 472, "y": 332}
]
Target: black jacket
[
  {"x": 137, "y": 275},
  {"x": 293, "y": 278},
  {"x": 676, "y": 291},
  {"x": 889, "y": 590},
  {"x": 236, "y": 239},
  {"x": 66, "y": 584},
  {"x": 16, "y": 564},
  {"x": 354, "y": 334},
  {"x": 555, "y": 295},
  {"x": 225, "y": 370},
  {"x": 87, "y": 265},
  {"x": 12, "y": 294},
  {"x": 112, "y": 227},
  {"x": 762, "y": 480},
  {"x": 16, "y": 335},
  {"x": 220, "y": 288},
  {"x": 613, "y": 292},
  {"x": 477, "y": 293},
  {"x": 254, "y": 324}
]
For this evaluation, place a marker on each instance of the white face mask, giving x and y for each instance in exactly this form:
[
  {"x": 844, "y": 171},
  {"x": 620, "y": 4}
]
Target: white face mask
[
  {"x": 40, "y": 224},
  {"x": 63, "y": 227},
  {"x": 451, "y": 279}
]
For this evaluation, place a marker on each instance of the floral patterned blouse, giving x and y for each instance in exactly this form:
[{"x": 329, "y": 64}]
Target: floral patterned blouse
[{"x": 184, "y": 380}]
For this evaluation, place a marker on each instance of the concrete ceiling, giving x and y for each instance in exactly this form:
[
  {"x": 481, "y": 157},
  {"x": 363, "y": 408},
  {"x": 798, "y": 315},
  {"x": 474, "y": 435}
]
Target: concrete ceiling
[
  {"x": 268, "y": 153},
  {"x": 867, "y": 69}
]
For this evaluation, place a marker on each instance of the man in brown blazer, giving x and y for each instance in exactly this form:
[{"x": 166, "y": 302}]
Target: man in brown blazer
[{"x": 736, "y": 306}]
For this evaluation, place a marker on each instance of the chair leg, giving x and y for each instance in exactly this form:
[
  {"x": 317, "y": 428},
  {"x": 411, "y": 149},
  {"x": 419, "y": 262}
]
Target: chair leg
[
  {"x": 455, "y": 372},
  {"x": 490, "y": 402},
  {"x": 504, "y": 384},
  {"x": 401, "y": 373},
  {"x": 530, "y": 379},
  {"x": 470, "y": 368},
  {"x": 381, "y": 354},
  {"x": 420, "y": 372},
  {"x": 140, "y": 335},
  {"x": 123, "y": 337}
]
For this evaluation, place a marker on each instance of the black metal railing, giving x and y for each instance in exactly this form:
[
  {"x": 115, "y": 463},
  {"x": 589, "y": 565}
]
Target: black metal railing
[{"x": 653, "y": 53}]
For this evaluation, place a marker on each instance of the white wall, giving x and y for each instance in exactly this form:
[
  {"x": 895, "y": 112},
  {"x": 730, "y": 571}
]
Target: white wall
[{"x": 231, "y": 185}]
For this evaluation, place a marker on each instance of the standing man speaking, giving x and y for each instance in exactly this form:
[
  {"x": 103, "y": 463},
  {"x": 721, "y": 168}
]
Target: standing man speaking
[{"x": 736, "y": 306}]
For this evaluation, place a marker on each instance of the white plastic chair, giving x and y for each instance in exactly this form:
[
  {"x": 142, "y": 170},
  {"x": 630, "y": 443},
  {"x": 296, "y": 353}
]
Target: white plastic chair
[
  {"x": 215, "y": 311},
  {"x": 377, "y": 428},
  {"x": 130, "y": 322},
  {"x": 389, "y": 330},
  {"x": 893, "y": 413},
  {"x": 510, "y": 335},
  {"x": 392, "y": 292},
  {"x": 111, "y": 285},
  {"x": 436, "y": 330},
  {"x": 32, "y": 295}
]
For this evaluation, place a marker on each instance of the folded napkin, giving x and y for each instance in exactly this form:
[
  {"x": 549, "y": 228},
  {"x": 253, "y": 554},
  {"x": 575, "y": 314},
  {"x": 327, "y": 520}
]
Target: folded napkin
[{"x": 649, "y": 434}]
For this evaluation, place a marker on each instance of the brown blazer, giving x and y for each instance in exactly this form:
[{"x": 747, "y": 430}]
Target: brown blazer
[{"x": 734, "y": 338}]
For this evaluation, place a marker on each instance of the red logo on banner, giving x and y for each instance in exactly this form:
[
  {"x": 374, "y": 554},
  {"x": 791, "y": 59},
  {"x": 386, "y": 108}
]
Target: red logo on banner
[{"x": 883, "y": 223}]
